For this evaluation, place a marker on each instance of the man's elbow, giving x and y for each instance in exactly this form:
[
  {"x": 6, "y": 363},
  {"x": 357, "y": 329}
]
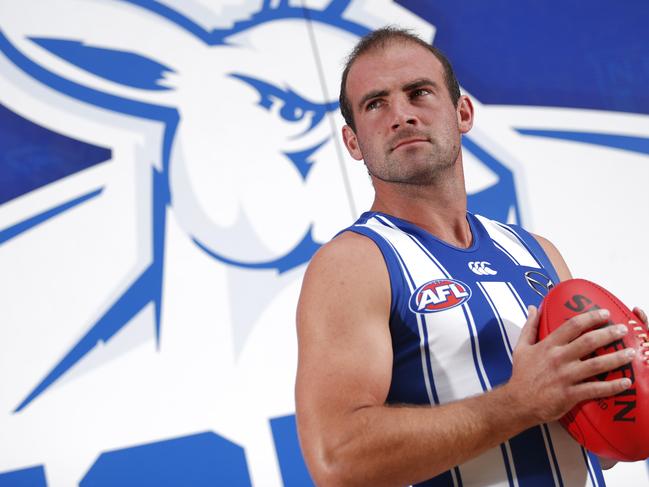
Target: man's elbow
[
  {"x": 332, "y": 471},
  {"x": 327, "y": 462}
]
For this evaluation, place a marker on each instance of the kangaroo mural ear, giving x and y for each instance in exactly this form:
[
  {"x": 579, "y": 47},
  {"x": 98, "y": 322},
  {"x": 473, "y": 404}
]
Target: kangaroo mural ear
[
  {"x": 125, "y": 68},
  {"x": 140, "y": 54}
]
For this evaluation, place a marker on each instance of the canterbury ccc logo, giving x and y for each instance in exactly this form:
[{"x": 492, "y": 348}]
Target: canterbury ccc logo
[
  {"x": 439, "y": 295},
  {"x": 481, "y": 268}
]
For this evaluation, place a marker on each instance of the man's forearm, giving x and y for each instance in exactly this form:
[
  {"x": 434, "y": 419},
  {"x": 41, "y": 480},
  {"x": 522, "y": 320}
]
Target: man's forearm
[{"x": 401, "y": 445}]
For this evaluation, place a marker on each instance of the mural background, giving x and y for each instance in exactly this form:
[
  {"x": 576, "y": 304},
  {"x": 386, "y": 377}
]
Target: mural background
[{"x": 168, "y": 168}]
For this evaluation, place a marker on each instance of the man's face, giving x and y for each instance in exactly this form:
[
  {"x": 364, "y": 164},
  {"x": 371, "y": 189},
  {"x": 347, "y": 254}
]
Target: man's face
[{"x": 407, "y": 128}]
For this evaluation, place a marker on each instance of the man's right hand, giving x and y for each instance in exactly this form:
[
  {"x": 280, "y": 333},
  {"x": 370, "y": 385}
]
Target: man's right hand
[{"x": 550, "y": 376}]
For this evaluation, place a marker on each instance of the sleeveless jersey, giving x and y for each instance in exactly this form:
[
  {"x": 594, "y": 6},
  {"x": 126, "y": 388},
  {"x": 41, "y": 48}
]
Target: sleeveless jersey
[{"x": 455, "y": 318}]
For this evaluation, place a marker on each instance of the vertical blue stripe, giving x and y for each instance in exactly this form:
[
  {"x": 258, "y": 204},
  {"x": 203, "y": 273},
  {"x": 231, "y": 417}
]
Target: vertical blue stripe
[
  {"x": 553, "y": 453},
  {"x": 588, "y": 467},
  {"x": 474, "y": 350},
  {"x": 499, "y": 319},
  {"x": 531, "y": 459},
  {"x": 493, "y": 351},
  {"x": 429, "y": 365},
  {"x": 458, "y": 476},
  {"x": 528, "y": 448},
  {"x": 510, "y": 475},
  {"x": 596, "y": 469}
]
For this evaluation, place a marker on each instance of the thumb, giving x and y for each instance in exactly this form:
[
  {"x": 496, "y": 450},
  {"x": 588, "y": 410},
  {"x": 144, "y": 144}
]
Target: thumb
[{"x": 530, "y": 331}]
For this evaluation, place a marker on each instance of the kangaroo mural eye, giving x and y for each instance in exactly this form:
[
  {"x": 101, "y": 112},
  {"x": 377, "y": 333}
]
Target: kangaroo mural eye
[
  {"x": 121, "y": 67},
  {"x": 290, "y": 106}
]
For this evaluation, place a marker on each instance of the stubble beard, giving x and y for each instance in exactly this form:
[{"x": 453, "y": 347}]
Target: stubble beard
[{"x": 416, "y": 166}]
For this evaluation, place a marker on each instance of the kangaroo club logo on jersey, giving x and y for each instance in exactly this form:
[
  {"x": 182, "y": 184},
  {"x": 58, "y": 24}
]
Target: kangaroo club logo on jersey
[{"x": 439, "y": 295}]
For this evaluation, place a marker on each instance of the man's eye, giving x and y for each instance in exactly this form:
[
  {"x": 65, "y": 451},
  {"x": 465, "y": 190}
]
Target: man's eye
[
  {"x": 373, "y": 105},
  {"x": 419, "y": 92}
]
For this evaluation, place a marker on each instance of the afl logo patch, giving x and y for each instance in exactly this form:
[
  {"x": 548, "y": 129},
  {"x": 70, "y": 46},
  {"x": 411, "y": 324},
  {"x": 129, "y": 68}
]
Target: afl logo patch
[{"x": 439, "y": 295}]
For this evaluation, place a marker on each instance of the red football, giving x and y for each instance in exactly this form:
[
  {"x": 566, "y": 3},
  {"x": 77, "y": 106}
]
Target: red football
[{"x": 614, "y": 427}]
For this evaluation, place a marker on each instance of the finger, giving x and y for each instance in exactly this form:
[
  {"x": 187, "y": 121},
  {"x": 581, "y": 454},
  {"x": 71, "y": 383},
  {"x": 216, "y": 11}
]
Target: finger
[
  {"x": 592, "y": 340},
  {"x": 577, "y": 325},
  {"x": 603, "y": 363},
  {"x": 530, "y": 330},
  {"x": 641, "y": 314},
  {"x": 595, "y": 389}
]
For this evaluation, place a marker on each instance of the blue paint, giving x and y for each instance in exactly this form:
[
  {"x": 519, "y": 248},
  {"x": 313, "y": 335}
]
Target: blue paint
[
  {"x": 331, "y": 15},
  {"x": 114, "y": 103},
  {"x": 148, "y": 286},
  {"x": 145, "y": 289},
  {"x": 27, "y": 477},
  {"x": 293, "y": 107},
  {"x": 291, "y": 462},
  {"x": 121, "y": 67},
  {"x": 29, "y": 223},
  {"x": 120, "y": 313},
  {"x": 624, "y": 142},
  {"x": 301, "y": 254},
  {"x": 496, "y": 201},
  {"x": 159, "y": 203},
  {"x": 201, "y": 460},
  {"x": 560, "y": 53},
  {"x": 301, "y": 159},
  {"x": 32, "y": 156}
]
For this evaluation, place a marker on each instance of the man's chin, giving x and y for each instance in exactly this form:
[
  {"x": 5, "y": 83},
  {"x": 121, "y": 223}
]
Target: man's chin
[{"x": 415, "y": 179}]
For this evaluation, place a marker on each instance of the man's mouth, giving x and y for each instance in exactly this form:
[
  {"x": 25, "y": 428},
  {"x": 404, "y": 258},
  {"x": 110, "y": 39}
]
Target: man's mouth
[{"x": 409, "y": 141}]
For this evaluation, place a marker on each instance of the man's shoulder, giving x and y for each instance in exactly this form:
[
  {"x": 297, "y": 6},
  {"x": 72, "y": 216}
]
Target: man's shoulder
[
  {"x": 344, "y": 272},
  {"x": 346, "y": 251}
]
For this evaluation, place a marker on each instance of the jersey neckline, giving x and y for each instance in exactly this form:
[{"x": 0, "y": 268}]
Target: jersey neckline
[{"x": 477, "y": 230}]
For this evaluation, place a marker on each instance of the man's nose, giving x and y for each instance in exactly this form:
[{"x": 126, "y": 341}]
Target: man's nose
[{"x": 403, "y": 114}]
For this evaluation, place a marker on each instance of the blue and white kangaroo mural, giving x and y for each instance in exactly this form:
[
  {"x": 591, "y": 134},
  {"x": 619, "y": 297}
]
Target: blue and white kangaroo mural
[{"x": 164, "y": 273}]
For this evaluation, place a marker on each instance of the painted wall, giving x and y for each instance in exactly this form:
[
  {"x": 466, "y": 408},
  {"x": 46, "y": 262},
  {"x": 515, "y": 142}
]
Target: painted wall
[{"x": 168, "y": 168}]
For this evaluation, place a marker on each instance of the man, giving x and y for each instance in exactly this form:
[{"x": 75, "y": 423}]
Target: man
[{"x": 391, "y": 321}]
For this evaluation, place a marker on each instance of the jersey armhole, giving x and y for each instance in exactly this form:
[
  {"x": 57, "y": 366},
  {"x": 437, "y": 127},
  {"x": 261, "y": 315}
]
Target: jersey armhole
[{"x": 536, "y": 250}]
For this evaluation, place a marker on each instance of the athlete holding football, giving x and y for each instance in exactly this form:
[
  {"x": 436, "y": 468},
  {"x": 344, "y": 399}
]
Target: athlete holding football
[{"x": 410, "y": 368}]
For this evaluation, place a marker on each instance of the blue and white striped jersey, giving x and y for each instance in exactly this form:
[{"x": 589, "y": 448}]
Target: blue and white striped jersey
[{"x": 455, "y": 317}]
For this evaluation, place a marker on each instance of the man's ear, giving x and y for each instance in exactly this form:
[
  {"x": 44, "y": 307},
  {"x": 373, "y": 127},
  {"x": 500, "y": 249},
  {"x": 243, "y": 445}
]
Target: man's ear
[
  {"x": 351, "y": 142},
  {"x": 464, "y": 114}
]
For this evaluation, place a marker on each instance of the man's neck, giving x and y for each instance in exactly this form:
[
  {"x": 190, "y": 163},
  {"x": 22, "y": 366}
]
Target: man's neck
[{"x": 438, "y": 209}]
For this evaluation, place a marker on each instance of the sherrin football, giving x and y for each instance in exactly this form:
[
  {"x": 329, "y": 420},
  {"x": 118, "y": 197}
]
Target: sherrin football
[{"x": 615, "y": 427}]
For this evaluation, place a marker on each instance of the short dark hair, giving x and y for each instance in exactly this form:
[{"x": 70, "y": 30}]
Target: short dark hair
[{"x": 380, "y": 38}]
